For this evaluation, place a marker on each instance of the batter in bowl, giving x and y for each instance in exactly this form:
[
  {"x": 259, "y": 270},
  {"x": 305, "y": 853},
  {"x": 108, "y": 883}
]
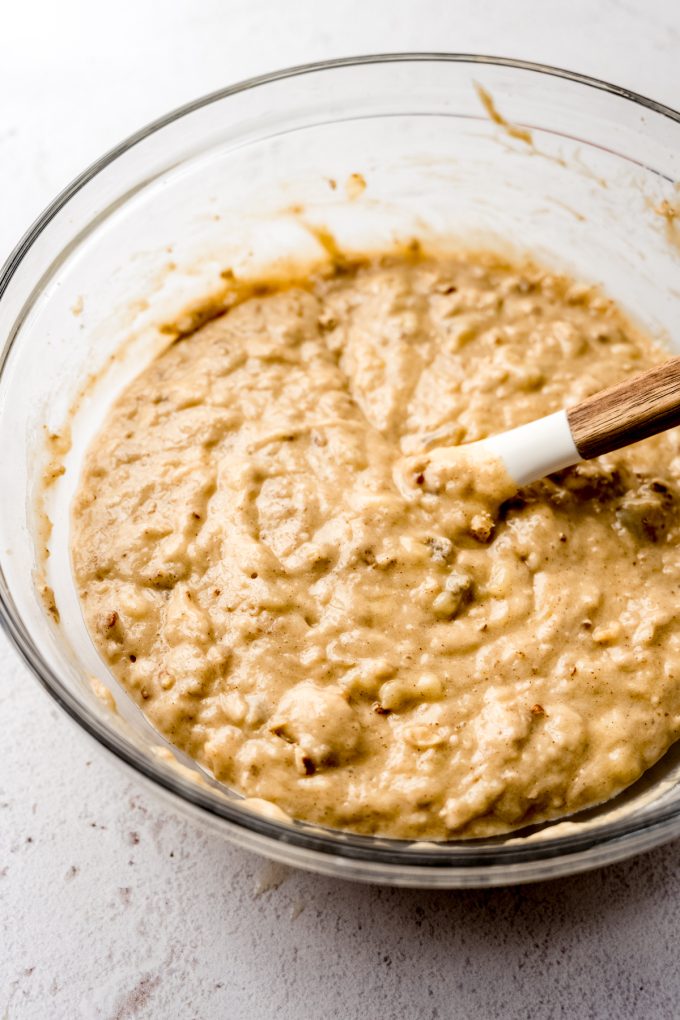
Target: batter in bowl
[{"x": 421, "y": 661}]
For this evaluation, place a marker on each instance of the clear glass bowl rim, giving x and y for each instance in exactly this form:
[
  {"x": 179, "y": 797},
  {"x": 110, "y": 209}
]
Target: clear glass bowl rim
[{"x": 657, "y": 826}]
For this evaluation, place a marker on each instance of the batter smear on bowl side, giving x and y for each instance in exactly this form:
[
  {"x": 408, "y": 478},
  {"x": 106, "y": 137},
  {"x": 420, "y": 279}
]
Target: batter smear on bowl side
[{"x": 420, "y": 662}]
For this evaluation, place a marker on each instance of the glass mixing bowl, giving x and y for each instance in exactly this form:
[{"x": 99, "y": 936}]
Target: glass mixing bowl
[{"x": 575, "y": 171}]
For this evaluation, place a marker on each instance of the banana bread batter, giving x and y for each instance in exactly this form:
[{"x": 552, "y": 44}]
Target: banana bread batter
[{"x": 410, "y": 660}]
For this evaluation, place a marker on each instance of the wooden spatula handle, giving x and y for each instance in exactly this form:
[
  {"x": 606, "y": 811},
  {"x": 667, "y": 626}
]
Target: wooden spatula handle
[{"x": 640, "y": 407}]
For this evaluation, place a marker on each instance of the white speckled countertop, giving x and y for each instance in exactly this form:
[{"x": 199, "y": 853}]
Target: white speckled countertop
[{"x": 111, "y": 906}]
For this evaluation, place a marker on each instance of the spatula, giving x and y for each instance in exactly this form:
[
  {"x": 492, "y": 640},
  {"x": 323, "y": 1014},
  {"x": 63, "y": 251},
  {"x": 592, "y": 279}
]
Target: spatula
[{"x": 640, "y": 407}]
